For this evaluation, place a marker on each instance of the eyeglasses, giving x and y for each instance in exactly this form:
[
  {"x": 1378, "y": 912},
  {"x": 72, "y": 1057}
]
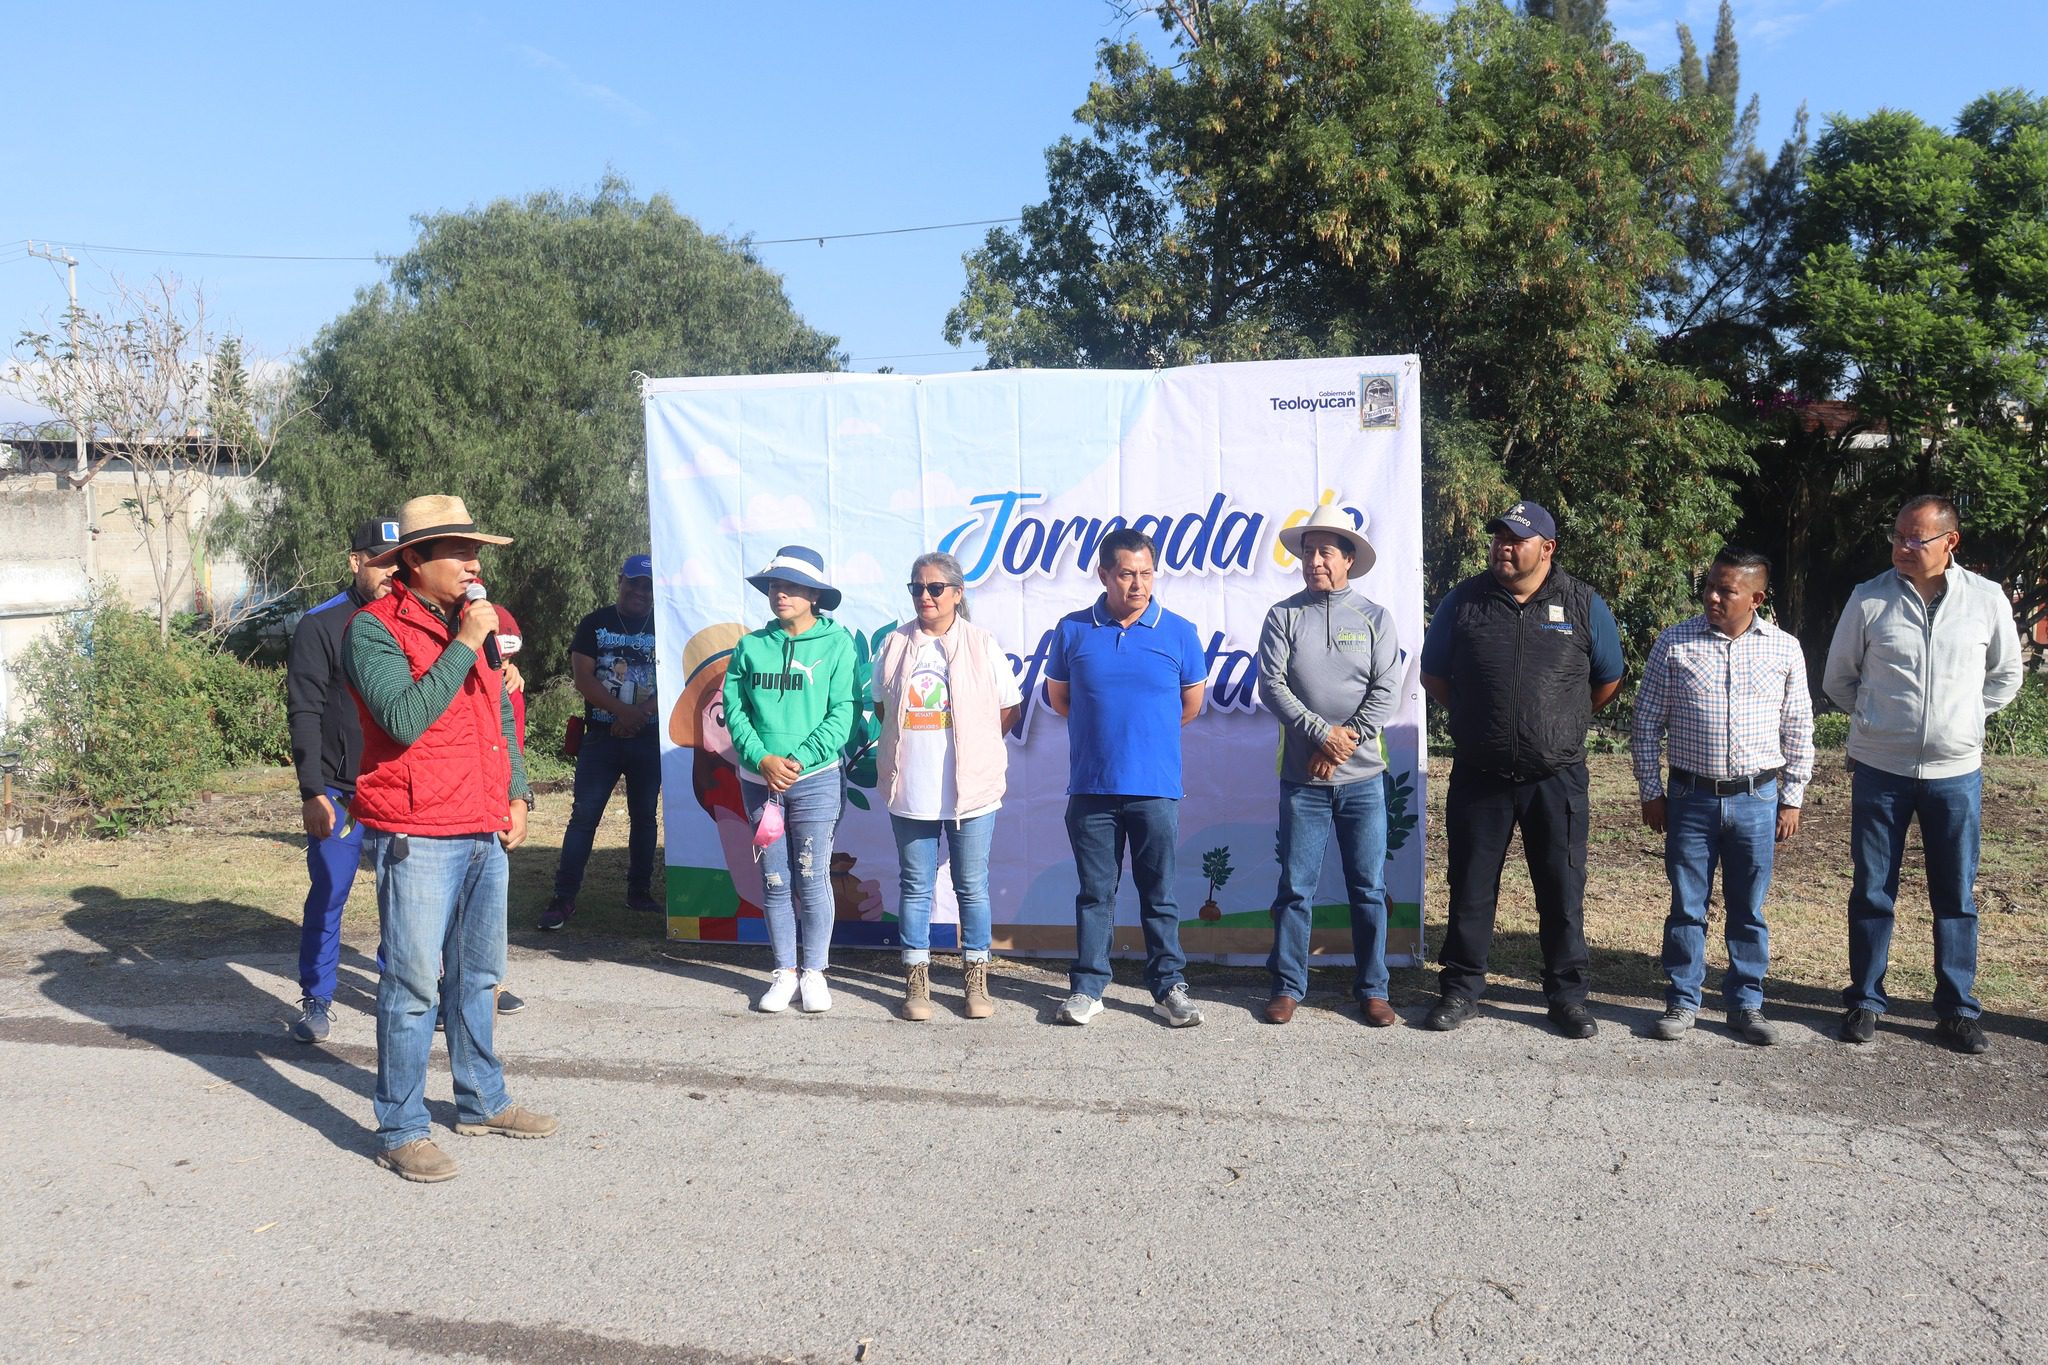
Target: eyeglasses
[
  {"x": 928, "y": 589},
  {"x": 1915, "y": 544}
]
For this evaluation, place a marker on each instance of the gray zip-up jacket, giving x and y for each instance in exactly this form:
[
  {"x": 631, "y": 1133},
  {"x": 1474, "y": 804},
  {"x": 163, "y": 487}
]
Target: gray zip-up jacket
[
  {"x": 1918, "y": 679},
  {"x": 1329, "y": 658}
]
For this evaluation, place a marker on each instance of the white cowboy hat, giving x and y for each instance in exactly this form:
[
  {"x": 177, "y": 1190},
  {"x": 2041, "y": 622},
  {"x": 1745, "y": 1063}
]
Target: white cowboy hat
[{"x": 1336, "y": 522}]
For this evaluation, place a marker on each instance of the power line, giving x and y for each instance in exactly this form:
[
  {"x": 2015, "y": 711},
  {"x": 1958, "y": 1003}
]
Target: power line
[
  {"x": 819, "y": 237},
  {"x": 822, "y": 238},
  {"x": 210, "y": 255}
]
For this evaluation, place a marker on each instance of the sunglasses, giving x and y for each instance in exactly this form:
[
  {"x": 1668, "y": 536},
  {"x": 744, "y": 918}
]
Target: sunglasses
[{"x": 933, "y": 590}]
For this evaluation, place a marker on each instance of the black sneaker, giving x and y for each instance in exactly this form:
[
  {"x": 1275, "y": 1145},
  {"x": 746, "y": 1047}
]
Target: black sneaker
[
  {"x": 1573, "y": 1021},
  {"x": 1450, "y": 1012},
  {"x": 509, "y": 1003},
  {"x": 642, "y": 902},
  {"x": 311, "y": 1025},
  {"x": 1859, "y": 1025},
  {"x": 1752, "y": 1027},
  {"x": 560, "y": 908},
  {"x": 1963, "y": 1033}
]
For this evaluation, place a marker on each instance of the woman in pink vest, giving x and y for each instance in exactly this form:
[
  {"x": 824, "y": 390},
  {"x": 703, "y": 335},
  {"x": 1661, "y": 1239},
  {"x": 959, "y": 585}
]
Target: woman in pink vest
[{"x": 947, "y": 695}]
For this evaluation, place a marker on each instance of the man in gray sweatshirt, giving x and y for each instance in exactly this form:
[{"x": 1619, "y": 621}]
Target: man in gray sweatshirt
[
  {"x": 1924, "y": 653},
  {"x": 1330, "y": 669}
]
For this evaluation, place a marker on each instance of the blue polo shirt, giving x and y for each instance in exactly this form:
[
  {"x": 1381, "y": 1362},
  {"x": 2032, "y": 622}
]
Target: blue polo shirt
[{"x": 1123, "y": 736}]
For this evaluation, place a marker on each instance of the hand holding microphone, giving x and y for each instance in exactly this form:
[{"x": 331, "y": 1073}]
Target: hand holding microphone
[{"x": 480, "y": 625}]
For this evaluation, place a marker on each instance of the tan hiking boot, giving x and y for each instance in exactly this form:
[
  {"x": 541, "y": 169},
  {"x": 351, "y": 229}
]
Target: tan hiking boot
[
  {"x": 418, "y": 1160},
  {"x": 917, "y": 992},
  {"x": 979, "y": 1004},
  {"x": 512, "y": 1122}
]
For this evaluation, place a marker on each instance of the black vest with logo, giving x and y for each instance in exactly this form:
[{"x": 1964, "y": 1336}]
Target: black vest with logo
[{"x": 1521, "y": 675}]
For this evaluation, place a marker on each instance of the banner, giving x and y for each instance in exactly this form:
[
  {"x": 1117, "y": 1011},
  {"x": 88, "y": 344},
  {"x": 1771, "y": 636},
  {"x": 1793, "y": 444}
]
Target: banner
[{"x": 1019, "y": 474}]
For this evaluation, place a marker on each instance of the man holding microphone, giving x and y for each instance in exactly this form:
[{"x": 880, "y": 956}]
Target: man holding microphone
[{"x": 442, "y": 797}]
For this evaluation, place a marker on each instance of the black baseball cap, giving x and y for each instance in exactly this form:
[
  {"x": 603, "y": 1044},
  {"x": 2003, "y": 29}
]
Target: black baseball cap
[
  {"x": 375, "y": 536},
  {"x": 1525, "y": 519}
]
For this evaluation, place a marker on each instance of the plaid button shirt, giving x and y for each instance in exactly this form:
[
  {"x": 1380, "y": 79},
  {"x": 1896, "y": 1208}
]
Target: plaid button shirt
[{"x": 1729, "y": 707}]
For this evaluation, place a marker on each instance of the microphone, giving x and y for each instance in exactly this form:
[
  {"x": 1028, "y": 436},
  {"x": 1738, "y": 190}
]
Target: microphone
[{"x": 475, "y": 593}]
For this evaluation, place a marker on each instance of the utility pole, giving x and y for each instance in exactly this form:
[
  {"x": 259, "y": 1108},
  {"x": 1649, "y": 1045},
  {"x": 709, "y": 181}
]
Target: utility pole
[{"x": 78, "y": 476}]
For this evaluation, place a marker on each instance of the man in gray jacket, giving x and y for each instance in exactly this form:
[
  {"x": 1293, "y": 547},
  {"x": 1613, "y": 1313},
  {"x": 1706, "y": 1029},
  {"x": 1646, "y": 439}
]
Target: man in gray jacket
[
  {"x": 1329, "y": 668},
  {"x": 1923, "y": 654}
]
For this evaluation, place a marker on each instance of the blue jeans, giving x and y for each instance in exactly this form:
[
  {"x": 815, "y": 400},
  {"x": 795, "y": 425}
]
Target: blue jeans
[
  {"x": 1100, "y": 828},
  {"x": 917, "y": 859},
  {"x": 1949, "y": 809},
  {"x": 810, "y": 816},
  {"x": 1740, "y": 834},
  {"x": 1357, "y": 811},
  {"x": 442, "y": 909},
  {"x": 600, "y": 763},
  {"x": 331, "y": 870}
]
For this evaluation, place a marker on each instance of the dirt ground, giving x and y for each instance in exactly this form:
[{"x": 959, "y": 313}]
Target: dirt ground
[{"x": 235, "y": 870}]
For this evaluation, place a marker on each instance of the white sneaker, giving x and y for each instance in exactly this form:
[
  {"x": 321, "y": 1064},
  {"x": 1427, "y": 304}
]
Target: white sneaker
[
  {"x": 812, "y": 996},
  {"x": 1177, "y": 1010},
  {"x": 781, "y": 986},
  {"x": 1078, "y": 1009}
]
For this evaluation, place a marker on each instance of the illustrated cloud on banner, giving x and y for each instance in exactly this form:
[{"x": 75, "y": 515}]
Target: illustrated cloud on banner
[{"x": 1019, "y": 474}]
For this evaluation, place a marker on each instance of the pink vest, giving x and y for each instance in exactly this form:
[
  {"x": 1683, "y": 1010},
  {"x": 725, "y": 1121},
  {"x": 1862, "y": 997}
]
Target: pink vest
[{"x": 981, "y": 760}]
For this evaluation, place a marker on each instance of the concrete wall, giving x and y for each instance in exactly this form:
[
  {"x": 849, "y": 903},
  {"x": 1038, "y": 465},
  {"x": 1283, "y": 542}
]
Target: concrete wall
[{"x": 43, "y": 559}]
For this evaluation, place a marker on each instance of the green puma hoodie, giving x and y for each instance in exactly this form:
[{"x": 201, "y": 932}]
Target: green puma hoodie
[{"x": 792, "y": 695}]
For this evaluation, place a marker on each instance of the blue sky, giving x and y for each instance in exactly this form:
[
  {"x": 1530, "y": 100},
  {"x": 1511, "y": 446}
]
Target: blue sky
[{"x": 320, "y": 130}]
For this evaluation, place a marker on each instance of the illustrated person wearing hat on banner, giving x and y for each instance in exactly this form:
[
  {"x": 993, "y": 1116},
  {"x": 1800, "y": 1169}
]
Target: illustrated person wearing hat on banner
[
  {"x": 790, "y": 699},
  {"x": 612, "y": 662},
  {"x": 327, "y": 749},
  {"x": 442, "y": 797},
  {"x": 1330, "y": 671},
  {"x": 1521, "y": 655}
]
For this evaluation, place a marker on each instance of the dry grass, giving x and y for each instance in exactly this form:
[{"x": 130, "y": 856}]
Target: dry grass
[
  {"x": 236, "y": 870},
  {"x": 1627, "y": 895}
]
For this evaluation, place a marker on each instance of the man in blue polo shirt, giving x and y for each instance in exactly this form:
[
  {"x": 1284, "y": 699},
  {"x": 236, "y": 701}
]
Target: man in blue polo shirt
[{"x": 1127, "y": 674}]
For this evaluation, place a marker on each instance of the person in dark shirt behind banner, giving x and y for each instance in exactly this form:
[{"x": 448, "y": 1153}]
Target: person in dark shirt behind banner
[{"x": 612, "y": 661}]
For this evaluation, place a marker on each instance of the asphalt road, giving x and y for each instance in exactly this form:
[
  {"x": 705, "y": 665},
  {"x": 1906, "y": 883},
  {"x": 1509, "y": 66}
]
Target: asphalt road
[{"x": 189, "y": 1185}]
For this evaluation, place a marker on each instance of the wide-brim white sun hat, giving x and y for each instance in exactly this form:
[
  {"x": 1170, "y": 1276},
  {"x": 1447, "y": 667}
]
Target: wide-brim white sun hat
[{"x": 803, "y": 566}]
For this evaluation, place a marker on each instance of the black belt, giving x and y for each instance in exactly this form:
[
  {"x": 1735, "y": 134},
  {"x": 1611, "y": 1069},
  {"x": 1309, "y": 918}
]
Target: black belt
[{"x": 1729, "y": 786}]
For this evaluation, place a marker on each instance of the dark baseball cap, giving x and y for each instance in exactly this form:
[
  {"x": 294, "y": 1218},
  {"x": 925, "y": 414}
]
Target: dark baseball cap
[
  {"x": 1525, "y": 519},
  {"x": 637, "y": 566},
  {"x": 375, "y": 535}
]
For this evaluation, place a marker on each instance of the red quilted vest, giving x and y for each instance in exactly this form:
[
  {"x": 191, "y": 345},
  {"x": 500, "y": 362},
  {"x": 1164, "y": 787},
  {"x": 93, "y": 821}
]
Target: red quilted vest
[{"x": 454, "y": 779}]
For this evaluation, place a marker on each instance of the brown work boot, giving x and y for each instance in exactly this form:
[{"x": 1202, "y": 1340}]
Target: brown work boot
[
  {"x": 917, "y": 992},
  {"x": 979, "y": 1003},
  {"x": 513, "y": 1122},
  {"x": 418, "y": 1160}
]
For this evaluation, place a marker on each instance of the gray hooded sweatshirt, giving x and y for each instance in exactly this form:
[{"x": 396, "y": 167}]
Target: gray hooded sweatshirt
[
  {"x": 1919, "y": 679},
  {"x": 1329, "y": 658}
]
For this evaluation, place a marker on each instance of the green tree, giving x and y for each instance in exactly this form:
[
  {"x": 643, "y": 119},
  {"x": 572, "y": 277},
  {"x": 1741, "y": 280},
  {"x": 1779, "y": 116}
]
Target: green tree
[
  {"x": 498, "y": 364},
  {"x": 1342, "y": 176},
  {"x": 1923, "y": 301},
  {"x": 1585, "y": 19}
]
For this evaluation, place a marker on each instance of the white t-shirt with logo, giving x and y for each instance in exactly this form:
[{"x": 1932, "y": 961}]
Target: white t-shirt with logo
[{"x": 925, "y": 781}]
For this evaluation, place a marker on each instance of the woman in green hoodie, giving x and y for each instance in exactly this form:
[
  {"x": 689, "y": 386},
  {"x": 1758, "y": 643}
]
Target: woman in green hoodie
[{"x": 789, "y": 703}]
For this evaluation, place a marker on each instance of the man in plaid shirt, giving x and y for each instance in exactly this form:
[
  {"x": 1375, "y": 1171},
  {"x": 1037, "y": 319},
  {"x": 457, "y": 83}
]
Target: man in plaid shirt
[{"x": 1728, "y": 690}]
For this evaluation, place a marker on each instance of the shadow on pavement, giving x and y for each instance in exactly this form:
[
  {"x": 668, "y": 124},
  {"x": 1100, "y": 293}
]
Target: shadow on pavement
[{"x": 253, "y": 1021}]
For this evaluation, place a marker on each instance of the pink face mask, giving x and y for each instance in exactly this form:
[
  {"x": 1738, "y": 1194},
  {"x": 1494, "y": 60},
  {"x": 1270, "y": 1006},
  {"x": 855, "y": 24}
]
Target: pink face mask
[{"x": 768, "y": 825}]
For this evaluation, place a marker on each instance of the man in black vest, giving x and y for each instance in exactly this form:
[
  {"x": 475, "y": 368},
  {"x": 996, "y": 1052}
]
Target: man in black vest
[{"x": 1521, "y": 656}]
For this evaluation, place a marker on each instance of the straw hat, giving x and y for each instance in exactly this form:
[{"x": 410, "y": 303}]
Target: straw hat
[{"x": 430, "y": 518}]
